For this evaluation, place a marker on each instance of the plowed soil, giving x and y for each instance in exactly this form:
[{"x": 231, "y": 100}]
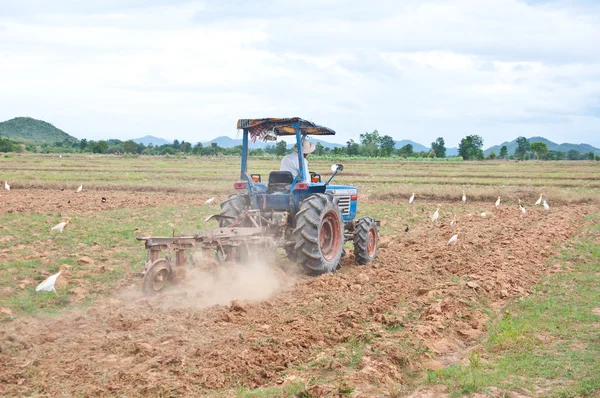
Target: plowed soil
[
  {"x": 368, "y": 327},
  {"x": 51, "y": 200}
]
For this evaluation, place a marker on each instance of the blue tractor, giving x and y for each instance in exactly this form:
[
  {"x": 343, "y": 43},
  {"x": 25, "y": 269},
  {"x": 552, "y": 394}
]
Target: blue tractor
[{"x": 310, "y": 218}]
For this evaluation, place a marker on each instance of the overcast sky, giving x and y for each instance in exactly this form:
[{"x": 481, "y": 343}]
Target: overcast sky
[{"x": 411, "y": 69}]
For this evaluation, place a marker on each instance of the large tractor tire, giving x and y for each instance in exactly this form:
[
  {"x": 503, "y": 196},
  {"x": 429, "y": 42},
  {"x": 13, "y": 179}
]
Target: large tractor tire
[
  {"x": 366, "y": 240},
  {"x": 232, "y": 207},
  {"x": 319, "y": 234}
]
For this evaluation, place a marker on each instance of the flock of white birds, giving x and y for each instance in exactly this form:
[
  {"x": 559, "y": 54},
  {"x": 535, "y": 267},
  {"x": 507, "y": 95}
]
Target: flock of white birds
[
  {"x": 48, "y": 283},
  {"x": 454, "y": 239}
]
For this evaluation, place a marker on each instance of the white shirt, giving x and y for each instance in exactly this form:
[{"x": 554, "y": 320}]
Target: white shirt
[{"x": 290, "y": 163}]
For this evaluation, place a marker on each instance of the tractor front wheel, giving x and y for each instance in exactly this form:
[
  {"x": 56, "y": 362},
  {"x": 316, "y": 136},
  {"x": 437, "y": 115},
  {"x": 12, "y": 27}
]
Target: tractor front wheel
[
  {"x": 319, "y": 234},
  {"x": 366, "y": 240}
]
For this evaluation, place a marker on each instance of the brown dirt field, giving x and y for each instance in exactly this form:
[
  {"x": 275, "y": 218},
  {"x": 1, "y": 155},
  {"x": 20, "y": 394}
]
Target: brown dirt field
[
  {"x": 420, "y": 296},
  {"x": 44, "y": 200}
]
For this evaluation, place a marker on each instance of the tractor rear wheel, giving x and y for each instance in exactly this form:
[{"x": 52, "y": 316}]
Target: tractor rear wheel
[
  {"x": 366, "y": 240},
  {"x": 319, "y": 234}
]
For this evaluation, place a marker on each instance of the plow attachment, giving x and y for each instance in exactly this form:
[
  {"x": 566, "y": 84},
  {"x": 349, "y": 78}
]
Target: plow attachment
[{"x": 233, "y": 244}]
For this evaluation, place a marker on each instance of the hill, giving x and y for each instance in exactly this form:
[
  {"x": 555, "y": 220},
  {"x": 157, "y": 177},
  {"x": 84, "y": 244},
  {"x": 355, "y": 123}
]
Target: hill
[
  {"x": 422, "y": 148},
  {"x": 29, "y": 130},
  {"x": 149, "y": 139},
  {"x": 552, "y": 146}
]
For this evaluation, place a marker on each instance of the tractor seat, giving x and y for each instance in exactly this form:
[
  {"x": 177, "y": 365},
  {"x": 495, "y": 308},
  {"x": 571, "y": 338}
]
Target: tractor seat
[{"x": 280, "y": 182}]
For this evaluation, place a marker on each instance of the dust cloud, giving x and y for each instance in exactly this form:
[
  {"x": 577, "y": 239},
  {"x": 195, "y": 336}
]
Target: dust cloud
[{"x": 208, "y": 283}]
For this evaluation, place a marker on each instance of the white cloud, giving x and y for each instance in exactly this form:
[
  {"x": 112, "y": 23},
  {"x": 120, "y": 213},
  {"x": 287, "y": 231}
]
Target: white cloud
[{"x": 499, "y": 68}]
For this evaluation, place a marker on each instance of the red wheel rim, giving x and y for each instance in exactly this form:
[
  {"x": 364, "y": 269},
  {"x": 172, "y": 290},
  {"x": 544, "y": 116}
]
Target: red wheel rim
[
  {"x": 372, "y": 242},
  {"x": 330, "y": 236}
]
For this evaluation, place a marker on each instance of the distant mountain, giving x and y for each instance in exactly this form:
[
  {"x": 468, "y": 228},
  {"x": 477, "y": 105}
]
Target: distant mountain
[
  {"x": 149, "y": 139},
  {"x": 29, "y": 130},
  {"x": 416, "y": 146},
  {"x": 228, "y": 142},
  {"x": 450, "y": 152},
  {"x": 552, "y": 146}
]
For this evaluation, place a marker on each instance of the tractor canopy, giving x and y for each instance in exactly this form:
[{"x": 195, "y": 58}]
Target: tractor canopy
[{"x": 269, "y": 128}]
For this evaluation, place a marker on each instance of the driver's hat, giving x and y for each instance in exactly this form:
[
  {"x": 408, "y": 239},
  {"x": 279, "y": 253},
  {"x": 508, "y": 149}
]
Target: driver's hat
[{"x": 307, "y": 147}]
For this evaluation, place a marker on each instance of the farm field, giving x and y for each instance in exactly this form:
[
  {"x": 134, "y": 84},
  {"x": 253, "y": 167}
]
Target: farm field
[{"x": 424, "y": 319}]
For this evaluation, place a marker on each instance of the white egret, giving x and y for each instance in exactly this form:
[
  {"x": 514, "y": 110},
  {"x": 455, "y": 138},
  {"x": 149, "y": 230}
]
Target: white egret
[
  {"x": 464, "y": 198},
  {"x": 539, "y": 201},
  {"x": 61, "y": 226},
  {"x": 412, "y": 199},
  {"x": 483, "y": 214},
  {"x": 80, "y": 188},
  {"x": 436, "y": 215},
  {"x": 498, "y": 202},
  {"x": 48, "y": 284},
  {"x": 6, "y": 186},
  {"x": 546, "y": 206},
  {"x": 523, "y": 210},
  {"x": 453, "y": 240},
  {"x": 209, "y": 201}
]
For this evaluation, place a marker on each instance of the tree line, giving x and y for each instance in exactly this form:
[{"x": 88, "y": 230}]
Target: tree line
[{"x": 370, "y": 145}]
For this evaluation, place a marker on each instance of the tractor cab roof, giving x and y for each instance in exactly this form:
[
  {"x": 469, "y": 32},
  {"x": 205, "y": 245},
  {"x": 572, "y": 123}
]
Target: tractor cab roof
[{"x": 262, "y": 128}]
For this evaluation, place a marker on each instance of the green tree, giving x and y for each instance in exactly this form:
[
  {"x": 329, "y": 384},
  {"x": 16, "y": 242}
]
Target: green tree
[
  {"x": 523, "y": 148},
  {"x": 470, "y": 147},
  {"x": 492, "y": 155},
  {"x": 540, "y": 149},
  {"x": 590, "y": 155},
  {"x": 185, "y": 147},
  {"x": 281, "y": 148},
  {"x": 503, "y": 152},
  {"x": 98, "y": 146},
  {"x": 573, "y": 154},
  {"x": 168, "y": 150},
  {"x": 439, "y": 146},
  {"x": 386, "y": 146},
  {"x": 406, "y": 151},
  {"x": 352, "y": 148},
  {"x": 197, "y": 148},
  {"x": 7, "y": 145},
  {"x": 319, "y": 149},
  {"x": 83, "y": 144},
  {"x": 370, "y": 143},
  {"x": 175, "y": 144},
  {"x": 130, "y": 147}
]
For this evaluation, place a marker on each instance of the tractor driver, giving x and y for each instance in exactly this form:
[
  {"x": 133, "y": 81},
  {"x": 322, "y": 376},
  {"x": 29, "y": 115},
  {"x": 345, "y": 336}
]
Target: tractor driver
[{"x": 290, "y": 162}]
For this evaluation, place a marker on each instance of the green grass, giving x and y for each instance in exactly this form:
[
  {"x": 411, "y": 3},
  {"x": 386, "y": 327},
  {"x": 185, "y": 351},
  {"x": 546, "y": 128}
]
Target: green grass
[
  {"x": 107, "y": 238},
  {"x": 547, "y": 344}
]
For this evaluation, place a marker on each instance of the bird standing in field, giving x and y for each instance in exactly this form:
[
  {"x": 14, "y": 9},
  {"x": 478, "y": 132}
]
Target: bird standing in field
[
  {"x": 453, "y": 222},
  {"x": 453, "y": 240},
  {"x": 6, "y": 186},
  {"x": 483, "y": 214},
  {"x": 61, "y": 226},
  {"x": 435, "y": 215},
  {"x": 498, "y": 202},
  {"x": 464, "y": 198},
  {"x": 412, "y": 199},
  {"x": 209, "y": 201},
  {"x": 546, "y": 206},
  {"x": 80, "y": 188},
  {"x": 523, "y": 210},
  {"x": 48, "y": 284},
  {"x": 539, "y": 201}
]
